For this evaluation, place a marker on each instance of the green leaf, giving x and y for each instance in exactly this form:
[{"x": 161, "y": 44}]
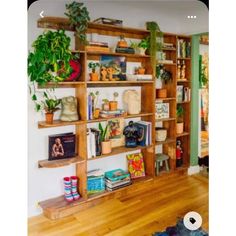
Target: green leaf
[{"x": 34, "y": 97}]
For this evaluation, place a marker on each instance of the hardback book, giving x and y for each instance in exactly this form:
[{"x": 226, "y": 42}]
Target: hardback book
[
  {"x": 117, "y": 174},
  {"x": 116, "y": 184},
  {"x": 61, "y": 146},
  {"x": 118, "y": 187},
  {"x": 149, "y": 131},
  {"x": 95, "y": 181},
  {"x": 162, "y": 110},
  {"x": 128, "y": 50},
  {"x": 136, "y": 165},
  {"x": 179, "y": 93},
  {"x": 98, "y": 147},
  {"x": 186, "y": 94},
  {"x": 96, "y": 49},
  {"x": 144, "y": 130},
  {"x": 100, "y": 44},
  {"x": 145, "y": 77}
]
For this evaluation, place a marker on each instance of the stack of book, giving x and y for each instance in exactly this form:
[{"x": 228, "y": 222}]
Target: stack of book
[
  {"x": 93, "y": 143},
  {"x": 95, "y": 181},
  {"x": 145, "y": 77},
  {"x": 145, "y": 131},
  {"x": 116, "y": 179},
  {"x": 97, "y": 47},
  {"x": 111, "y": 114},
  {"x": 183, "y": 93},
  {"x": 183, "y": 48},
  {"x": 128, "y": 50},
  {"x": 168, "y": 46}
]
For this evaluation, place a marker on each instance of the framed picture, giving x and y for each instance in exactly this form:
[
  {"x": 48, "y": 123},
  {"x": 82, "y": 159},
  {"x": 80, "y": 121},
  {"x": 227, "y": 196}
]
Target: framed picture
[
  {"x": 180, "y": 93},
  {"x": 115, "y": 64},
  {"x": 115, "y": 131},
  {"x": 162, "y": 110},
  {"x": 136, "y": 165},
  {"x": 61, "y": 146}
]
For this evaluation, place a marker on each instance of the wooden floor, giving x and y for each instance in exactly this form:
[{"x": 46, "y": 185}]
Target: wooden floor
[{"x": 137, "y": 214}]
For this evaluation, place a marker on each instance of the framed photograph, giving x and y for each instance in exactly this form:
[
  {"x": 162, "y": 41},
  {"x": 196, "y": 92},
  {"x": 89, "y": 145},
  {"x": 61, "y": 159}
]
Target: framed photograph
[
  {"x": 180, "y": 93},
  {"x": 116, "y": 64},
  {"x": 61, "y": 146},
  {"x": 115, "y": 131},
  {"x": 162, "y": 110}
]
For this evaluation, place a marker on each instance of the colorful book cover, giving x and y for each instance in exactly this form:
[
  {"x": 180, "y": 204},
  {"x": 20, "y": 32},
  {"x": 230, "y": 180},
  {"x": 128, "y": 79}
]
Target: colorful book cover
[
  {"x": 117, "y": 174},
  {"x": 136, "y": 165},
  {"x": 142, "y": 130}
]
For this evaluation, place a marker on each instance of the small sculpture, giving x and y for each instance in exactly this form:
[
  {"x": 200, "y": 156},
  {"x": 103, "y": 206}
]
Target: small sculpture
[
  {"x": 182, "y": 72},
  {"x": 131, "y": 135},
  {"x": 69, "y": 109},
  {"x": 110, "y": 72},
  {"x": 104, "y": 73},
  {"x": 179, "y": 153},
  {"x": 132, "y": 101}
]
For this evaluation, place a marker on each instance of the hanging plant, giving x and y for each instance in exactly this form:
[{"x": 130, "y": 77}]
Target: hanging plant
[
  {"x": 79, "y": 18},
  {"x": 154, "y": 33}
]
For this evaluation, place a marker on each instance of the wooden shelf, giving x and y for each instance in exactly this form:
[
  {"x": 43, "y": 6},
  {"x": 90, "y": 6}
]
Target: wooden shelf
[
  {"x": 65, "y": 84},
  {"x": 165, "y": 99},
  {"x": 183, "y": 102},
  {"x": 58, "y": 123},
  {"x": 168, "y": 49},
  {"x": 59, "y": 163},
  {"x": 118, "y": 54},
  {"x": 120, "y": 150},
  {"x": 181, "y": 135},
  {"x": 184, "y": 58},
  {"x": 119, "y": 117},
  {"x": 171, "y": 64},
  {"x": 183, "y": 81},
  {"x": 165, "y": 119},
  {"x": 117, "y": 83},
  {"x": 168, "y": 140}
]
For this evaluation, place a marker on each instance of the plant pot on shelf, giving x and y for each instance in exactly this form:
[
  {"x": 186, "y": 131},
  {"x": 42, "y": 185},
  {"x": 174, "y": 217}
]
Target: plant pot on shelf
[
  {"x": 105, "y": 106},
  {"x": 161, "y": 134},
  {"x": 96, "y": 113},
  {"x": 94, "y": 76},
  {"x": 113, "y": 105},
  {"x": 161, "y": 93},
  {"x": 49, "y": 117},
  {"x": 106, "y": 147},
  {"x": 142, "y": 51},
  {"x": 179, "y": 127},
  {"x": 141, "y": 71}
]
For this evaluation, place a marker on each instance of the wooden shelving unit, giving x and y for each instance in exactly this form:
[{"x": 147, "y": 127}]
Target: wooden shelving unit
[{"x": 57, "y": 207}]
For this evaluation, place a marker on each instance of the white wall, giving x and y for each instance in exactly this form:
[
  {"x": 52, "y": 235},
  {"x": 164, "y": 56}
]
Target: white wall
[{"x": 47, "y": 183}]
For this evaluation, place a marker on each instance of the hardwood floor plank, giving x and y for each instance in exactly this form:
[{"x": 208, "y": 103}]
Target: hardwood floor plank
[{"x": 142, "y": 212}]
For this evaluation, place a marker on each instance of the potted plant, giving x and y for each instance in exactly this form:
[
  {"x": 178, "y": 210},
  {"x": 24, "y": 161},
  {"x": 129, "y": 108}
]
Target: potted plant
[
  {"x": 180, "y": 123},
  {"x": 93, "y": 74},
  {"x": 134, "y": 45},
  {"x": 113, "y": 104},
  {"x": 106, "y": 143},
  {"x": 140, "y": 70},
  {"x": 105, "y": 105},
  {"x": 79, "y": 17},
  {"x": 49, "y": 104},
  {"x": 96, "y": 111},
  {"x": 143, "y": 46}
]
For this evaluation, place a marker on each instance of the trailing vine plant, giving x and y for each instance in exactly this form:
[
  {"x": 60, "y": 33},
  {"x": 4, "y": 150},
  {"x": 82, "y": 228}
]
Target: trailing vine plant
[{"x": 79, "y": 17}]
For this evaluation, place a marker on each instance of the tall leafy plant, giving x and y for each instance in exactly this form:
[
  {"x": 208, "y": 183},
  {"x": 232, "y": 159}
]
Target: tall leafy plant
[
  {"x": 103, "y": 132},
  {"x": 154, "y": 33},
  {"x": 79, "y": 17}
]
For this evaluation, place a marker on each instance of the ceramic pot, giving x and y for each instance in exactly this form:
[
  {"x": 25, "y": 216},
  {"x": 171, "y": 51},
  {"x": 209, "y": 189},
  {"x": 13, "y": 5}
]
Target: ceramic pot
[
  {"x": 106, "y": 147},
  {"x": 161, "y": 135},
  {"x": 105, "y": 106},
  {"x": 161, "y": 93},
  {"x": 179, "y": 128},
  {"x": 96, "y": 113},
  {"x": 94, "y": 76},
  {"x": 113, "y": 105},
  {"x": 141, "y": 71},
  {"x": 49, "y": 117},
  {"x": 142, "y": 51}
]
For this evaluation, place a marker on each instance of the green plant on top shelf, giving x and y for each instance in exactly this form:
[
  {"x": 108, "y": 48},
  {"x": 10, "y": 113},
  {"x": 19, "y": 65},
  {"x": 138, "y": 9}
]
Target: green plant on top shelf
[
  {"x": 103, "y": 136},
  {"x": 163, "y": 74},
  {"x": 144, "y": 43},
  {"x": 79, "y": 17},
  {"x": 179, "y": 113}
]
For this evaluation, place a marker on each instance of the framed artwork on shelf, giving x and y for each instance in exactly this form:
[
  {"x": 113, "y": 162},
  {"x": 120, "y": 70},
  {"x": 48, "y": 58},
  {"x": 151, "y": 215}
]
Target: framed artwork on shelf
[
  {"x": 162, "y": 110},
  {"x": 136, "y": 165}
]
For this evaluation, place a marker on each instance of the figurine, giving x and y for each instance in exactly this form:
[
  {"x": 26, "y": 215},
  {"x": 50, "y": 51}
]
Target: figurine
[
  {"x": 132, "y": 101},
  {"x": 131, "y": 135},
  {"x": 179, "y": 154},
  {"x": 69, "y": 109},
  {"x": 104, "y": 73},
  {"x": 110, "y": 72},
  {"x": 182, "y": 72},
  {"x": 178, "y": 70}
]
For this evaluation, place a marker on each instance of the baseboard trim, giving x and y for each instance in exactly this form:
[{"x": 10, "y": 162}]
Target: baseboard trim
[{"x": 193, "y": 170}]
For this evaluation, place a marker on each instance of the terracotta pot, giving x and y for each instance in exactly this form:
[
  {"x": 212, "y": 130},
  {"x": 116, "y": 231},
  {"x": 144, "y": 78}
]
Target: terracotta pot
[
  {"x": 141, "y": 71},
  {"x": 49, "y": 118},
  {"x": 96, "y": 113},
  {"x": 161, "y": 93},
  {"x": 113, "y": 105},
  {"x": 105, "y": 106},
  {"x": 94, "y": 76},
  {"x": 106, "y": 147},
  {"x": 179, "y": 128}
]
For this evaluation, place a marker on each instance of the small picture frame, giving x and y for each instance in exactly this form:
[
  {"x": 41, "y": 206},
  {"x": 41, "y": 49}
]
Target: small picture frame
[{"x": 162, "y": 110}]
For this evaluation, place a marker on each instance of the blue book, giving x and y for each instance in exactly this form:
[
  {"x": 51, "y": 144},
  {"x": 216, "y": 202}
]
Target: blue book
[
  {"x": 117, "y": 174},
  {"x": 142, "y": 130}
]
